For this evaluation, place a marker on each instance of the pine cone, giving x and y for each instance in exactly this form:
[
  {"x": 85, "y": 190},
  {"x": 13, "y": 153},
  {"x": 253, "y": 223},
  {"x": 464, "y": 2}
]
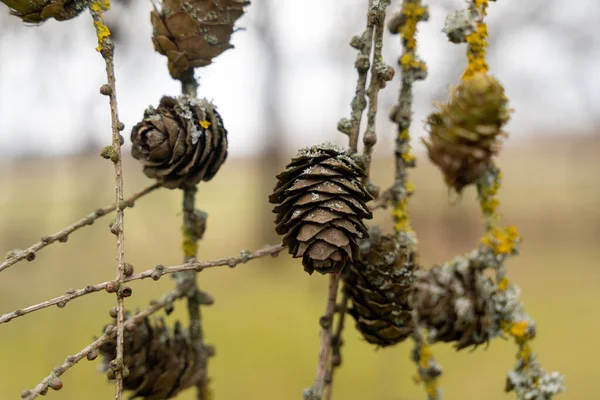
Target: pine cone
[
  {"x": 161, "y": 364},
  {"x": 35, "y": 11},
  {"x": 321, "y": 204},
  {"x": 379, "y": 286},
  {"x": 463, "y": 135},
  {"x": 456, "y": 302},
  {"x": 193, "y": 32},
  {"x": 180, "y": 143}
]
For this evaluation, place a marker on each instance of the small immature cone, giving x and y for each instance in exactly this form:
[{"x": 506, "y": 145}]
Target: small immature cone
[
  {"x": 379, "y": 285},
  {"x": 193, "y": 32},
  {"x": 457, "y": 303},
  {"x": 181, "y": 142},
  {"x": 320, "y": 206},
  {"x": 35, "y": 11},
  {"x": 464, "y": 134},
  {"x": 161, "y": 363}
]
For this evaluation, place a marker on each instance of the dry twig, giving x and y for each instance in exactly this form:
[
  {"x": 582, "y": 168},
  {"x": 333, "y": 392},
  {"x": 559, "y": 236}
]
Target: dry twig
[
  {"x": 106, "y": 48},
  {"x": 154, "y": 273},
  {"x": 14, "y": 256},
  {"x": 326, "y": 321},
  {"x": 337, "y": 342},
  {"x": 91, "y": 351}
]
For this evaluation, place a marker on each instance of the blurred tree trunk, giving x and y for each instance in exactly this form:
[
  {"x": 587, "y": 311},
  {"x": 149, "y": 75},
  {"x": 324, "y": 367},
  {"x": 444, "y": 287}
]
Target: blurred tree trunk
[{"x": 271, "y": 156}]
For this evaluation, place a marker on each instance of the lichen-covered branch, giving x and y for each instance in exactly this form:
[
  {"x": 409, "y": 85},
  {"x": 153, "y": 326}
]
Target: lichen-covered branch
[
  {"x": 315, "y": 392},
  {"x": 154, "y": 273},
  {"x": 477, "y": 40},
  {"x": 404, "y": 22},
  {"x": 29, "y": 254},
  {"x": 52, "y": 381},
  {"x": 428, "y": 368}
]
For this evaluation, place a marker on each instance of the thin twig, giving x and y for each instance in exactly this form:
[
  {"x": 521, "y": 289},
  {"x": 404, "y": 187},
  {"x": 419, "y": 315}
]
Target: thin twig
[
  {"x": 380, "y": 73},
  {"x": 62, "y": 235},
  {"x": 326, "y": 322},
  {"x": 154, "y": 273},
  {"x": 363, "y": 43},
  {"x": 53, "y": 381},
  {"x": 106, "y": 48},
  {"x": 337, "y": 342}
]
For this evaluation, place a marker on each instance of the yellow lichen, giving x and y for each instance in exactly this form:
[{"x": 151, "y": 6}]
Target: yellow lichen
[
  {"x": 205, "y": 124},
  {"x": 102, "y": 31},
  {"x": 518, "y": 329},
  {"x": 412, "y": 13},
  {"x": 408, "y": 157},
  {"x": 477, "y": 44},
  {"x": 503, "y": 284},
  {"x": 431, "y": 383},
  {"x": 502, "y": 241},
  {"x": 400, "y": 216},
  {"x": 189, "y": 243},
  {"x": 409, "y": 187}
]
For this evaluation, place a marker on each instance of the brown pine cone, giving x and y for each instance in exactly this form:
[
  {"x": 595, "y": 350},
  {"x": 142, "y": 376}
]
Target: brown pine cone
[
  {"x": 35, "y": 11},
  {"x": 321, "y": 204},
  {"x": 379, "y": 285},
  {"x": 464, "y": 134},
  {"x": 180, "y": 143},
  {"x": 193, "y": 32},
  {"x": 456, "y": 303},
  {"x": 161, "y": 364}
]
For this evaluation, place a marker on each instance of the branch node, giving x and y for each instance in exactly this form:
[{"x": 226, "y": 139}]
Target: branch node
[{"x": 106, "y": 90}]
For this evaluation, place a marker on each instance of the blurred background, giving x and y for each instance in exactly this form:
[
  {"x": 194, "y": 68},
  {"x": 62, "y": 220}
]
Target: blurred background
[{"x": 285, "y": 85}]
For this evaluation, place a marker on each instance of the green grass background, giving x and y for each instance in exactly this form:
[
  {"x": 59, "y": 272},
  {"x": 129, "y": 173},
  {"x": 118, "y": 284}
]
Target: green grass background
[{"x": 264, "y": 322}]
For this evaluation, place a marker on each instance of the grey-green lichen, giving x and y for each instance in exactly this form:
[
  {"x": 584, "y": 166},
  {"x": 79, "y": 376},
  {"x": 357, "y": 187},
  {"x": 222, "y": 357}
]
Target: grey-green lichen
[{"x": 459, "y": 25}]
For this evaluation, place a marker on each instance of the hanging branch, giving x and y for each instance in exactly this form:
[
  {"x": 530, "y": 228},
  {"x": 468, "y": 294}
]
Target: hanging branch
[
  {"x": 106, "y": 49},
  {"x": 90, "y": 352},
  {"x": 29, "y": 254}
]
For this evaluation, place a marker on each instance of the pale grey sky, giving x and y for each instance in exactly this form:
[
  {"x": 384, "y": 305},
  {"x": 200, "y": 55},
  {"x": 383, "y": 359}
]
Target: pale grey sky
[{"x": 50, "y": 75}]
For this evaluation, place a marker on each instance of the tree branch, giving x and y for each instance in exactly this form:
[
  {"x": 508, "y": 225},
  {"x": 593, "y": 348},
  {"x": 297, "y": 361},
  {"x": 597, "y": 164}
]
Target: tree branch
[
  {"x": 106, "y": 49},
  {"x": 363, "y": 44},
  {"x": 337, "y": 342},
  {"x": 16, "y": 255},
  {"x": 194, "y": 225},
  {"x": 91, "y": 350},
  {"x": 380, "y": 73},
  {"x": 154, "y": 273},
  {"x": 326, "y": 322}
]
